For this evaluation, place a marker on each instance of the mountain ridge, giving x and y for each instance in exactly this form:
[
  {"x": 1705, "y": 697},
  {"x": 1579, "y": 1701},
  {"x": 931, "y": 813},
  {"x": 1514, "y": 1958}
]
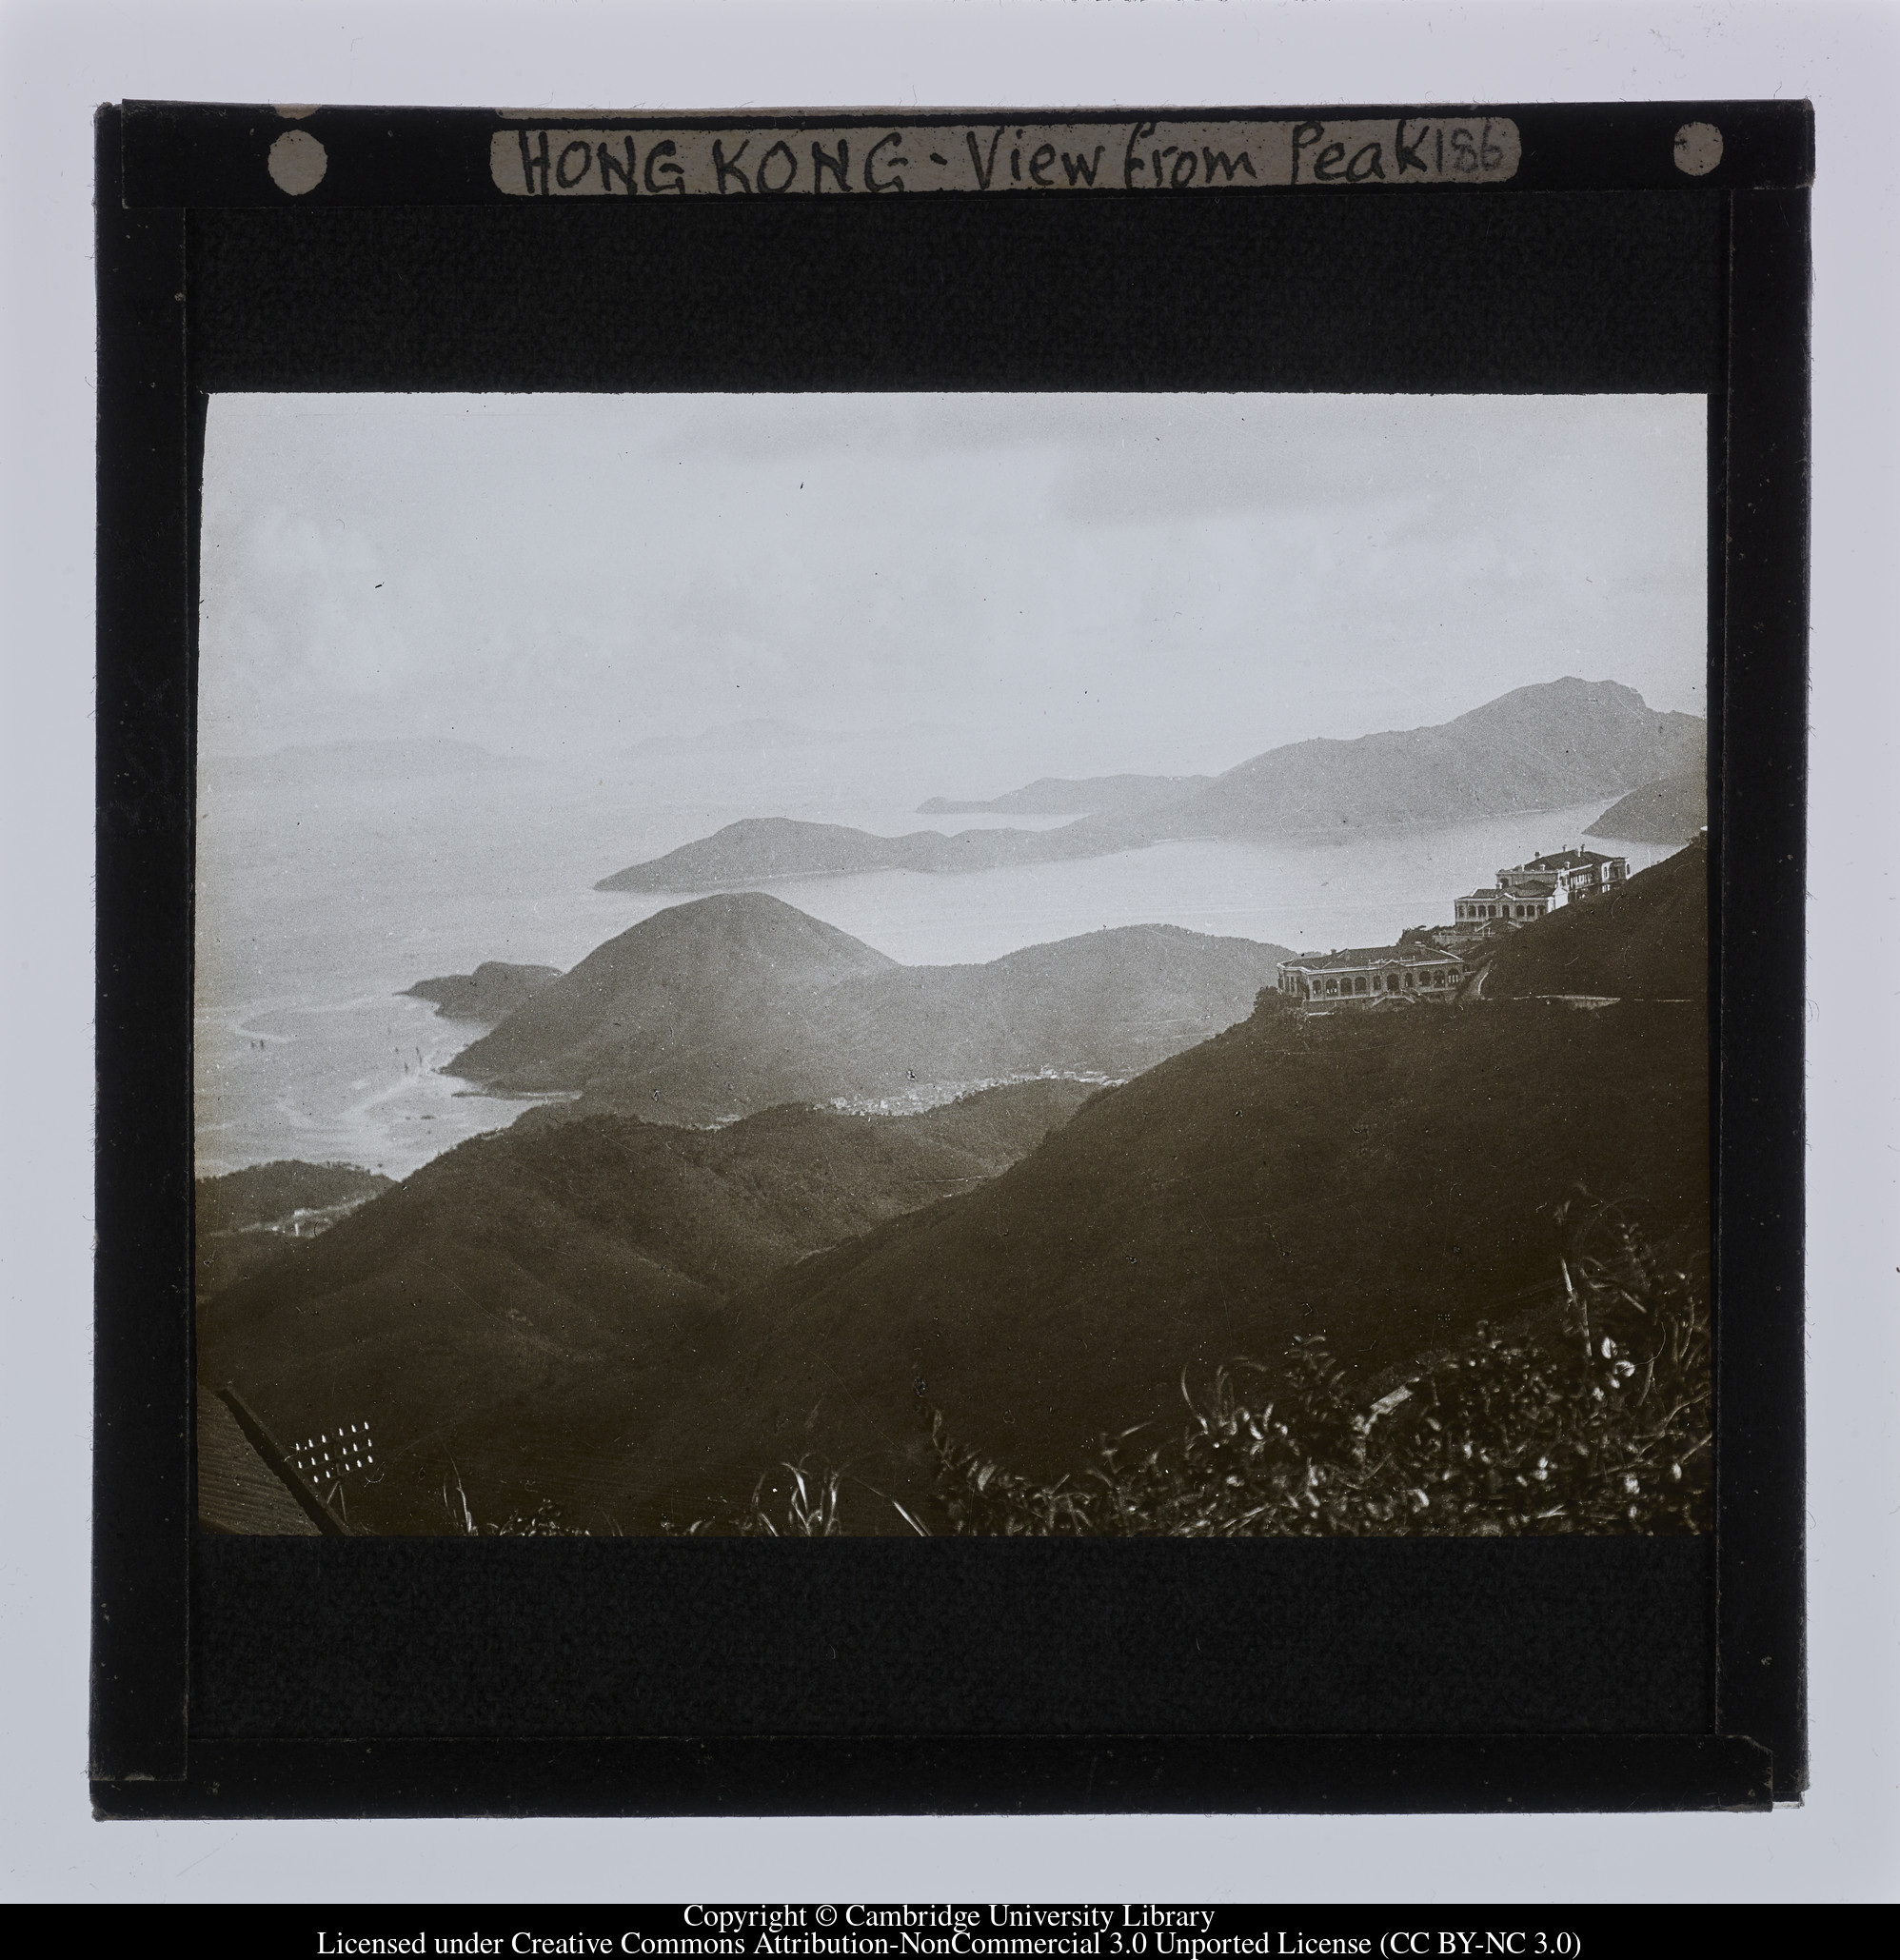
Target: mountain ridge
[
  {"x": 1548, "y": 747},
  {"x": 708, "y": 1010},
  {"x": 465, "y": 1311}
]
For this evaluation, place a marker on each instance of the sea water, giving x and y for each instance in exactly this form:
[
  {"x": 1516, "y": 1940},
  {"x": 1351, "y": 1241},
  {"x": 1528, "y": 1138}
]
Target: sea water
[{"x": 323, "y": 896}]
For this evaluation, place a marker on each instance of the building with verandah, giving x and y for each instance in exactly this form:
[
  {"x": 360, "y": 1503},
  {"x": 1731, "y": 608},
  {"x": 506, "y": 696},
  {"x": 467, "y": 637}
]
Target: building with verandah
[
  {"x": 1530, "y": 890},
  {"x": 1357, "y": 975}
]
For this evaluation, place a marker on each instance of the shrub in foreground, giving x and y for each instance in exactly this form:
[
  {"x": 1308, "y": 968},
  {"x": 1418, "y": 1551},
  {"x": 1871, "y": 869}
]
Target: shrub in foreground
[{"x": 1591, "y": 1415}]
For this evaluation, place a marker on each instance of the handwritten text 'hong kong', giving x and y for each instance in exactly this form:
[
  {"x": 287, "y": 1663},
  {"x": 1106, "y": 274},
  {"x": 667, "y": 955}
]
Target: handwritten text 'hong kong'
[{"x": 803, "y": 159}]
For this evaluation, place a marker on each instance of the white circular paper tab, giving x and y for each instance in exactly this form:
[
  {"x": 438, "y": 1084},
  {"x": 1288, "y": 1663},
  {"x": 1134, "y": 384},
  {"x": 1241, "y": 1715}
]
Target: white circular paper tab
[
  {"x": 297, "y": 162},
  {"x": 1698, "y": 149}
]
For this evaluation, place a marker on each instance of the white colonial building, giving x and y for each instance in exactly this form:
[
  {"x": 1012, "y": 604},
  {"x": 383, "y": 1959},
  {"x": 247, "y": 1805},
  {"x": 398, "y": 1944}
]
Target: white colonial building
[
  {"x": 1365, "y": 974},
  {"x": 1529, "y": 891}
]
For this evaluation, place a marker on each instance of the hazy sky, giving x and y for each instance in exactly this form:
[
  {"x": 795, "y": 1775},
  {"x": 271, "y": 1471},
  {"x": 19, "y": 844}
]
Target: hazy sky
[{"x": 1147, "y": 581}]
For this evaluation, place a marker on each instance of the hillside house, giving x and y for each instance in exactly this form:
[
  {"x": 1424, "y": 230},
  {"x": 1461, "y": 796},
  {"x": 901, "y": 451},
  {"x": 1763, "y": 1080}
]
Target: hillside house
[
  {"x": 1528, "y": 891},
  {"x": 1495, "y": 901},
  {"x": 1361, "y": 975}
]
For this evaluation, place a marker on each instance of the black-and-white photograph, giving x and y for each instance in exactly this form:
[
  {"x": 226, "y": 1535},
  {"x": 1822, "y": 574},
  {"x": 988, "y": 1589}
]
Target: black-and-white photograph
[{"x": 1038, "y": 964}]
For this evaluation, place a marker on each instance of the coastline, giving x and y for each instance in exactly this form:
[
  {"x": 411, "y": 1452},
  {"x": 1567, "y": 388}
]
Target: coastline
[{"x": 359, "y": 1077}]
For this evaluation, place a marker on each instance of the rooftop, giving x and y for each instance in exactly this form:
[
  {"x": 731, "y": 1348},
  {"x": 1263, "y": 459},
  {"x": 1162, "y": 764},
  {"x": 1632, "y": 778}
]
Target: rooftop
[
  {"x": 1348, "y": 958},
  {"x": 1565, "y": 860},
  {"x": 237, "y": 1489},
  {"x": 245, "y": 1487}
]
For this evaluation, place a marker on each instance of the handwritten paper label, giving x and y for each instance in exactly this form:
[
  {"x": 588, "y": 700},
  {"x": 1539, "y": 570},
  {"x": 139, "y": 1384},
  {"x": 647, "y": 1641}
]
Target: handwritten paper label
[{"x": 803, "y": 159}]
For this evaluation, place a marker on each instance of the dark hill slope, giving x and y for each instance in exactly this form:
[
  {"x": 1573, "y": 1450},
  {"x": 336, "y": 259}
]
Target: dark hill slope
[
  {"x": 510, "y": 1306},
  {"x": 1645, "y": 941},
  {"x": 1383, "y": 1179},
  {"x": 245, "y": 1219},
  {"x": 1111, "y": 1002},
  {"x": 270, "y": 1193},
  {"x": 688, "y": 983},
  {"x": 701, "y": 1030},
  {"x": 1537, "y": 748},
  {"x": 1667, "y": 812}
]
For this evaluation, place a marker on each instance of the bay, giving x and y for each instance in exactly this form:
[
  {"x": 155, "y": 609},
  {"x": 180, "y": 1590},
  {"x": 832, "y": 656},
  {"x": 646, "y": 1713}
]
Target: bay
[{"x": 324, "y": 892}]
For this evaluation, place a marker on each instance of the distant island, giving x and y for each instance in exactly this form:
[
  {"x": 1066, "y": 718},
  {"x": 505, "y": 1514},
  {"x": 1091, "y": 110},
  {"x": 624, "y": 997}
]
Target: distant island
[
  {"x": 1545, "y": 747},
  {"x": 763, "y": 850},
  {"x": 1066, "y": 796},
  {"x": 496, "y": 989},
  {"x": 735, "y": 736},
  {"x": 394, "y": 759}
]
